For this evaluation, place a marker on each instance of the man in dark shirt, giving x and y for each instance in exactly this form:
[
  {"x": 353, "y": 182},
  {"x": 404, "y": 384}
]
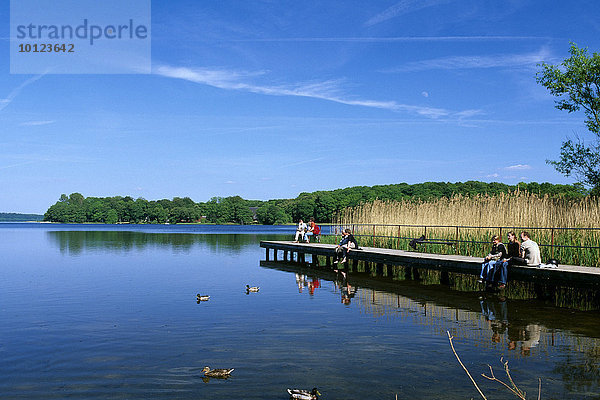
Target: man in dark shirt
[{"x": 348, "y": 242}]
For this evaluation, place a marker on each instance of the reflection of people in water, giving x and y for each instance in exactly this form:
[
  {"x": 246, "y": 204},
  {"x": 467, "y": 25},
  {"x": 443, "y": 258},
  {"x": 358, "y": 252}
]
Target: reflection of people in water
[
  {"x": 300, "y": 281},
  {"x": 532, "y": 338},
  {"x": 348, "y": 291},
  {"x": 312, "y": 285},
  {"x": 496, "y": 313}
]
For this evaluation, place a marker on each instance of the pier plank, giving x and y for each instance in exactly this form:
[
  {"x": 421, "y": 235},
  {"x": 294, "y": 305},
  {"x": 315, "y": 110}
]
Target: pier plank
[{"x": 571, "y": 274}]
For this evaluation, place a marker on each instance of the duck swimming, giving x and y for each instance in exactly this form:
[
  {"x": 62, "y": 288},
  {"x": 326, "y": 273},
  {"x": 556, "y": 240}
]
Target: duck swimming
[
  {"x": 304, "y": 394},
  {"x": 252, "y": 288},
  {"x": 201, "y": 297},
  {"x": 217, "y": 373}
]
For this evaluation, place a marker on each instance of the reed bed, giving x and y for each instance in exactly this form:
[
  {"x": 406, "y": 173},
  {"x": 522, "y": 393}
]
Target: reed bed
[{"x": 469, "y": 222}]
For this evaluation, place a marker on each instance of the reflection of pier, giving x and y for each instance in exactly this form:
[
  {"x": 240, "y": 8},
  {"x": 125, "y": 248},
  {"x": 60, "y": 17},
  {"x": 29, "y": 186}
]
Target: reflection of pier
[
  {"x": 485, "y": 321},
  {"x": 378, "y": 259}
]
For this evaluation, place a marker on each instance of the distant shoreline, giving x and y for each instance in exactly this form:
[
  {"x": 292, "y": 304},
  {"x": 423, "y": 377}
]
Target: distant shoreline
[{"x": 20, "y": 217}]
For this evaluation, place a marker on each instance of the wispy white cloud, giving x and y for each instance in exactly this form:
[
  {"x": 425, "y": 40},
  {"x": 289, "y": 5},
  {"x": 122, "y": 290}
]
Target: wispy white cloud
[
  {"x": 17, "y": 165},
  {"x": 15, "y": 92},
  {"x": 401, "y": 8},
  {"x": 329, "y": 90},
  {"x": 36, "y": 123},
  {"x": 518, "y": 167},
  {"x": 467, "y": 62},
  {"x": 303, "y": 162},
  {"x": 374, "y": 39}
]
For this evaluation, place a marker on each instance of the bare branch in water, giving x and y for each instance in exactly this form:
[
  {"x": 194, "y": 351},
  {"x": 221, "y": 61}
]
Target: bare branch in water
[
  {"x": 512, "y": 387},
  {"x": 463, "y": 365}
]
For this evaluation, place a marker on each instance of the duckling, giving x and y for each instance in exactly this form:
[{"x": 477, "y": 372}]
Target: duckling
[
  {"x": 252, "y": 288},
  {"x": 202, "y": 297},
  {"x": 217, "y": 373},
  {"x": 304, "y": 394}
]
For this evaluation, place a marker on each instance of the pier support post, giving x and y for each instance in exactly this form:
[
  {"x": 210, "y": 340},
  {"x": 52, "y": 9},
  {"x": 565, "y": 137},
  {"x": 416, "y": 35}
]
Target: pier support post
[
  {"x": 328, "y": 261},
  {"x": 445, "y": 278},
  {"x": 315, "y": 260},
  {"x": 285, "y": 255},
  {"x": 267, "y": 256},
  {"x": 389, "y": 270}
]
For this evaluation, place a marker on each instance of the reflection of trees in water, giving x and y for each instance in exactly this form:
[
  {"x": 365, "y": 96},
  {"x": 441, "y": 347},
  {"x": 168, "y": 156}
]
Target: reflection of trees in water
[
  {"x": 486, "y": 323},
  {"x": 522, "y": 326},
  {"x": 581, "y": 372},
  {"x": 76, "y": 242},
  {"x": 584, "y": 299}
]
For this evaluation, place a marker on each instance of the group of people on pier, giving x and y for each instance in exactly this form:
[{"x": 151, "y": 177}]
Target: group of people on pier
[
  {"x": 304, "y": 231},
  {"x": 495, "y": 266},
  {"x": 494, "y": 269}
]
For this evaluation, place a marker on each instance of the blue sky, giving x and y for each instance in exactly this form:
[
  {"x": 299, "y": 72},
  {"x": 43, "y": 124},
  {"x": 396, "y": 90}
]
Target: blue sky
[{"x": 267, "y": 99}]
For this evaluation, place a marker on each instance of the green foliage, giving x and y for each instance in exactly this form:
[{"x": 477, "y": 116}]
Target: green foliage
[
  {"x": 321, "y": 205},
  {"x": 576, "y": 82},
  {"x": 272, "y": 214},
  {"x": 15, "y": 217},
  {"x": 111, "y": 217}
]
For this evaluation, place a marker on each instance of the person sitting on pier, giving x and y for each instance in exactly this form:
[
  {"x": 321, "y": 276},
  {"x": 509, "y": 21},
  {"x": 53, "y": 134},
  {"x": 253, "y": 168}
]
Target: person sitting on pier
[
  {"x": 514, "y": 250},
  {"x": 313, "y": 229},
  {"x": 300, "y": 231},
  {"x": 348, "y": 242},
  {"x": 498, "y": 252},
  {"x": 530, "y": 252}
]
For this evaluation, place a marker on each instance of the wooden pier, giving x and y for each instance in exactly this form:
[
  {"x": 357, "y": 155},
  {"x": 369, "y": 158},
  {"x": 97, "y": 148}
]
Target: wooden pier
[{"x": 380, "y": 258}]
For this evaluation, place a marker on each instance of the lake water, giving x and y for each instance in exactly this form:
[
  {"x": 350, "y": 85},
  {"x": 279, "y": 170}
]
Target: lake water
[{"x": 110, "y": 312}]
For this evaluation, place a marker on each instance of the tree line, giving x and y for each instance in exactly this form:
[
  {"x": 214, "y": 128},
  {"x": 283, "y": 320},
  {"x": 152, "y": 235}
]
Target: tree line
[
  {"x": 321, "y": 205},
  {"x": 16, "y": 217}
]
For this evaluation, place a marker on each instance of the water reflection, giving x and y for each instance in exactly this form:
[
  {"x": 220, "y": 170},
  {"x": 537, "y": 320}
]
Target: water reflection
[
  {"x": 521, "y": 327},
  {"x": 347, "y": 291},
  {"x": 310, "y": 283},
  {"x": 78, "y": 242}
]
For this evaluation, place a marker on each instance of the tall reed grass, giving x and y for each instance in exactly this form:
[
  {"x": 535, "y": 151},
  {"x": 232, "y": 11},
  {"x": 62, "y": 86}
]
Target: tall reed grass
[{"x": 478, "y": 218}]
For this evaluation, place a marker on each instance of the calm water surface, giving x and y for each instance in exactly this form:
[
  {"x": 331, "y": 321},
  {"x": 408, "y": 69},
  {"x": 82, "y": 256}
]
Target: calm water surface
[{"x": 110, "y": 312}]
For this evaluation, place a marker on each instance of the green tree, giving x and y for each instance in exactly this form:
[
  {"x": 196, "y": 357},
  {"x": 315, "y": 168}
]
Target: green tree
[
  {"x": 325, "y": 207},
  {"x": 576, "y": 82},
  {"x": 271, "y": 214},
  {"x": 112, "y": 217},
  {"x": 236, "y": 210},
  {"x": 156, "y": 213}
]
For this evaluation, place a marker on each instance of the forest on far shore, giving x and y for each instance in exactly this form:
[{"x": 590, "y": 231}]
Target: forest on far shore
[
  {"x": 16, "y": 217},
  {"x": 321, "y": 205}
]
